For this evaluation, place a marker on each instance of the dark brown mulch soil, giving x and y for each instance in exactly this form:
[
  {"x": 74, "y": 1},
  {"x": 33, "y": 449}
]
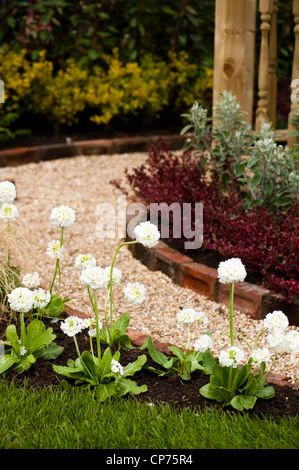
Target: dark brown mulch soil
[{"x": 171, "y": 390}]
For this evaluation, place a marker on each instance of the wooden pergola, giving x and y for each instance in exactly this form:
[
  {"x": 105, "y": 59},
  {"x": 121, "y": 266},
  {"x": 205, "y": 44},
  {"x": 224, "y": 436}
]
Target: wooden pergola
[{"x": 234, "y": 57}]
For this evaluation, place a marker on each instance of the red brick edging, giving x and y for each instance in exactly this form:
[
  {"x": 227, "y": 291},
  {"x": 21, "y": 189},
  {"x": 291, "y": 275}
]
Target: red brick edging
[
  {"x": 23, "y": 155},
  {"x": 138, "y": 339}
]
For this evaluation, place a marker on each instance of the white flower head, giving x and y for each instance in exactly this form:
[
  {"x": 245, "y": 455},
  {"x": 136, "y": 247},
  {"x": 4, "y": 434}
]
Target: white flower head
[
  {"x": 94, "y": 277},
  {"x": 276, "y": 321},
  {"x": 62, "y": 216},
  {"x": 23, "y": 350},
  {"x": 41, "y": 298},
  {"x": 292, "y": 341},
  {"x": 260, "y": 355},
  {"x": 147, "y": 234},
  {"x": 54, "y": 249},
  {"x": 231, "y": 357},
  {"x": 7, "y": 192},
  {"x": 116, "y": 367},
  {"x": 231, "y": 270},
  {"x": 72, "y": 325},
  {"x": 8, "y": 212},
  {"x": 203, "y": 343},
  {"x": 21, "y": 299},
  {"x": 276, "y": 340},
  {"x": 85, "y": 261},
  {"x": 135, "y": 292},
  {"x": 186, "y": 316},
  {"x": 31, "y": 280},
  {"x": 200, "y": 317},
  {"x": 116, "y": 274}
]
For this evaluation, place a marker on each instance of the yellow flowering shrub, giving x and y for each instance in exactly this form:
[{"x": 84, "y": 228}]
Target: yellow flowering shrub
[{"x": 106, "y": 91}]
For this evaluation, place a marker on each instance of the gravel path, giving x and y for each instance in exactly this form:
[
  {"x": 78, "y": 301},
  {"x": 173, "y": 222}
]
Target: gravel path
[{"x": 83, "y": 183}]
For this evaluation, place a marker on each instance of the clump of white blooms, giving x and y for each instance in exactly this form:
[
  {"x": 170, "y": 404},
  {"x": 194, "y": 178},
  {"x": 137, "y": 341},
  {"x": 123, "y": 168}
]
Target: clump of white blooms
[
  {"x": 85, "y": 261},
  {"x": 62, "y": 216},
  {"x": 94, "y": 277},
  {"x": 116, "y": 367},
  {"x": 31, "y": 280},
  {"x": 7, "y": 192},
  {"x": 276, "y": 341},
  {"x": 203, "y": 343},
  {"x": 54, "y": 249},
  {"x": 8, "y": 212},
  {"x": 231, "y": 270},
  {"x": 41, "y": 298},
  {"x": 186, "y": 315},
  {"x": 231, "y": 357},
  {"x": 260, "y": 355},
  {"x": 116, "y": 274},
  {"x": 276, "y": 322},
  {"x": 21, "y": 299},
  {"x": 147, "y": 234},
  {"x": 135, "y": 292},
  {"x": 292, "y": 342},
  {"x": 73, "y": 325}
]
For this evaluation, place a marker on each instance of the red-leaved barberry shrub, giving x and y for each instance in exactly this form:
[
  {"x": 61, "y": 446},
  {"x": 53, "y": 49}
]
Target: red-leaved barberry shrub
[{"x": 266, "y": 242}]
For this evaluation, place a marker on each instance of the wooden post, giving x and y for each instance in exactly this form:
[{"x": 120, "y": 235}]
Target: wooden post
[
  {"x": 295, "y": 76},
  {"x": 262, "y": 113},
  {"x": 234, "y": 51},
  {"x": 272, "y": 66}
]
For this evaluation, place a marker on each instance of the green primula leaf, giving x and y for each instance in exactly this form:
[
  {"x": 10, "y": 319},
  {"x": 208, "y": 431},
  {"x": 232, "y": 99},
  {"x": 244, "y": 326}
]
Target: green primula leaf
[
  {"x": 7, "y": 362},
  {"x": 135, "y": 366},
  {"x": 49, "y": 352},
  {"x": 11, "y": 335},
  {"x": 125, "y": 386},
  {"x": 104, "y": 391},
  {"x": 158, "y": 356},
  {"x": 239, "y": 402}
]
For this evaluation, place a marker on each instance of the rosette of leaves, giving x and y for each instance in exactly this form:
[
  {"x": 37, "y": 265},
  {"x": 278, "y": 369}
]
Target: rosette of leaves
[
  {"x": 55, "y": 307},
  {"x": 237, "y": 387},
  {"x": 183, "y": 363},
  {"x": 35, "y": 342},
  {"x": 117, "y": 334},
  {"x": 90, "y": 371}
]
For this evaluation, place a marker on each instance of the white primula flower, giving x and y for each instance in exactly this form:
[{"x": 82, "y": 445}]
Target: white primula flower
[
  {"x": 116, "y": 274},
  {"x": 54, "y": 250},
  {"x": 276, "y": 340},
  {"x": 21, "y": 299},
  {"x": 134, "y": 292},
  {"x": 231, "y": 270},
  {"x": 260, "y": 355},
  {"x": 62, "y": 216},
  {"x": 7, "y": 192},
  {"x": 41, "y": 298},
  {"x": 276, "y": 321},
  {"x": 116, "y": 367},
  {"x": 93, "y": 332},
  {"x": 23, "y": 350},
  {"x": 31, "y": 280},
  {"x": 186, "y": 315},
  {"x": 147, "y": 234},
  {"x": 201, "y": 317},
  {"x": 231, "y": 357},
  {"x": 292, "y": 341},
  {"x": 8, "y": 212},
  {"x": 203, "y": 343},
  {"x": 85, "y": 261},
  {"x": 72, "y": 325},
  {"x": 94, "y": 277}
]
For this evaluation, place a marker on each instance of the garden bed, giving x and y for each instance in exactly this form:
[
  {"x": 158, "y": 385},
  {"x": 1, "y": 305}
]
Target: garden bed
[{"x": 169, "y": 390}]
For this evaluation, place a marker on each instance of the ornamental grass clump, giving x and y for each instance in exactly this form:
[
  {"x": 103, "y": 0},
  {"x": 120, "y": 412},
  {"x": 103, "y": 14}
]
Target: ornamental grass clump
[{"x": 234, "y": 380}]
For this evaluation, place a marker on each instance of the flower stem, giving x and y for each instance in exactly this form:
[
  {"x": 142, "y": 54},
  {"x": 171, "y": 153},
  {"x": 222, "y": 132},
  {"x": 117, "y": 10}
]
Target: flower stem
[
  {"x": 57, "y": 266},
  {"x": 231, "y": 313},
  {"x": 97, "y": 323},
  {"x": 8, "y": 256}
]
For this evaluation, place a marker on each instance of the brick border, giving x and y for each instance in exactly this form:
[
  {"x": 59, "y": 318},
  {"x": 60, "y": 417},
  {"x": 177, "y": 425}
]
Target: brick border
[
  {"x": 250, "y": 299},
  {"x": 23, "y": 155},
  {"x": 138, "y": 339}
]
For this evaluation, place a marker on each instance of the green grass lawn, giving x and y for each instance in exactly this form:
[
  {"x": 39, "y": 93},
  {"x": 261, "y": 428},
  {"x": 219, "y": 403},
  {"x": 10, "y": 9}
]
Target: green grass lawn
[{"x": 57, "y": 419}]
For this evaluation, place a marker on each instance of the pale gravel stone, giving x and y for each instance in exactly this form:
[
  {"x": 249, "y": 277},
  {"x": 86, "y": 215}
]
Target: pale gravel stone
[{"x": 83, "y": 183}]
